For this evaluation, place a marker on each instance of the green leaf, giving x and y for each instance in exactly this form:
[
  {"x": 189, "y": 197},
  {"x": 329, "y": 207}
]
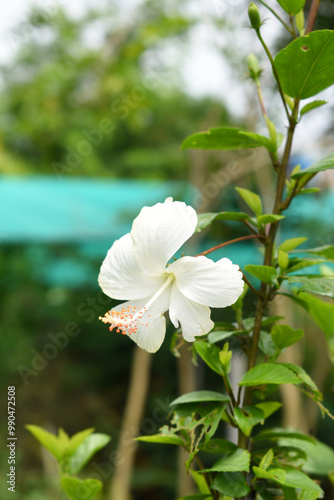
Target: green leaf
[
  {"x": 284, "y": 335},
  {"x": 253, "y": 200},
  {"x": 262, "y": 140},
  {"x": 291, "y": 244},
  {"x": 266, "y": 460},
  {"x": 200, "y": 396},
  {"x": 86, "y": 450},
  {"x": 297, "y": 479},
  {"x": 292, "y": 6},
  {"x": 248, "y": 417},
  {"x": 305, "y": 67},
  {"x": 326, "y": 251},
  {"x": 270, "y": 320},
  {"x": 326, "y": 163},
  {"x": 48, "y": 440},
  {"x": 298, "y": 264},
  {"x": 308, "y": 191},
  {"x": 269, "y": 407},
  {"x": 320, "y": 457},
  {"x": 283, "y": 261},
  {"x": 266, "y": 344},
  {"x": 266, "y": 274},
  {"x": 297, "y": 300},
  {"x": 200, "y": 482},
  {"x": 232, "y": 484},
  {"x": 77, "y": 439},
  {"x": 311, "y": 105},
  {"x": 235, "y": 461},
  {"x": 276, "y": 475},
  {"x": 268, "y": 218},
  {"x": 219, "y": 335},
  {"x": 220, "y": 138},
  {"x": 210, "y": 355},
  {"x": 290, "y": 493},
  {"x": 303, "y": 376},
  {"x": 269, "y": 373},
  {"x": 77, "y": 489},
  {"x": 162, "y": 438},
  {"x": 309, "y": 495},
  {"x": 218, "y": 446},
  {"x": 278, "y": 433},
  {"x": 63, "y": 439},
  {"x": 206, "y": 219},
  {"x": 322, "y": 312},
  {"x": 319, "y": 284}
]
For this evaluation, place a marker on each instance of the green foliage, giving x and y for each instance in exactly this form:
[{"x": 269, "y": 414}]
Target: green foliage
[
  {"x": 284, "y": 335},
  {"x": 321, "y": 285},
  {"x": 252, "y": 199},
  {"x": 200, "y": 396},
  {"x": 321, "y": 165},
  {"x": 48, "y": 440},
  {"x": 204, "y": 220},
  {"x": 162, "y": 438},
  {"x": 291, "y": 244},
  {"x": 223, "y": 138},
  {"x": 269, "y": 373},
  {"x": 305, "y": 66},
  {"x": 248, "y": 417},
  {"x": 319, "y": 456},
  {"x": 210, "y": 355},
  {"x": 85, "y": 451},
  {"x": 267, "y": 460},
  {"x": 232, "y": 484},
  {"x": 78, "y": 489},
  {"x": 311, "y": 105},
  {"x": 291, "y": 6},
  {"x": 72, "y": 455},
  {"x": 266, "y": 274},
  {"x": 235, "y": 461}
]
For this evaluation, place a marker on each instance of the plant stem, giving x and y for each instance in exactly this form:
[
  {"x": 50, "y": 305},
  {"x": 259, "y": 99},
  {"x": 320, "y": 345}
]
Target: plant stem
[
  {"x": 214, "y": 494},
  {"x": 286, "y": 26},
  {"x": 236, "y": 240},
  {"x": 312, "y": 16},
  {"x": 250, "y": 285},
  {"x": 271, "y": 59},
  {"x": 229, "y": 390},
  {"x": 269, "y": 245},
  {"x": 293, "y": 27}
]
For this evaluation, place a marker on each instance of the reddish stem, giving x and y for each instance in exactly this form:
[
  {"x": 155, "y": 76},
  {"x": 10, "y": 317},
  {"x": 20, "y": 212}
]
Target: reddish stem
[
  {"x": 242, "y": 238},
  {"x": 312, "y": 16}
]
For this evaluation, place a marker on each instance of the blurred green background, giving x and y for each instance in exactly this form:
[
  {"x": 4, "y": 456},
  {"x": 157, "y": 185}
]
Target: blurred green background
[{"x": 93, "y": 111}]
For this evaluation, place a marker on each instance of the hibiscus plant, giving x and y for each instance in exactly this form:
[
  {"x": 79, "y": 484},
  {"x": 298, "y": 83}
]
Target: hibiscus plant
[{"x": 272, "y": 462}]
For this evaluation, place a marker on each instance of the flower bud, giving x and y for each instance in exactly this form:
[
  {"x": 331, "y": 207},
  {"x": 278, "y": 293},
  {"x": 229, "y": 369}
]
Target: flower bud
[
  {"x": 253, "y": 67},
  {"x": 254, "y": 16},
  {"x": 225, "y": 358}
]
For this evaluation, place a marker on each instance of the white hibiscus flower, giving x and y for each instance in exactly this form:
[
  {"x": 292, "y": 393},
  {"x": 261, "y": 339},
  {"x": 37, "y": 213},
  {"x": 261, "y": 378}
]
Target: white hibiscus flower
[{"x": 136, "y": 269}]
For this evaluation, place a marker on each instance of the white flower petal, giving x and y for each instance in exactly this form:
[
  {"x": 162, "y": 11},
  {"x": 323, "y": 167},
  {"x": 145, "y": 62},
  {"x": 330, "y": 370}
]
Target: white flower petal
[
  {"x": 159, "y": 231},
  {"x": 193, "y": 317},
  {"x": 214, "y": 284},
  {"x": 149, "y": 328},
  {"x": 121, "y": 278}
]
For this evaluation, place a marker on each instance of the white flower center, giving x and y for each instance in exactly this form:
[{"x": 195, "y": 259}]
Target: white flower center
[{"x": 128, "y": 318}]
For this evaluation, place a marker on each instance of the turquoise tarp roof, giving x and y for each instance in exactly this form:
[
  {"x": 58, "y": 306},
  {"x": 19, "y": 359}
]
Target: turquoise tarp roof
[{"x": 46, "y": 209}]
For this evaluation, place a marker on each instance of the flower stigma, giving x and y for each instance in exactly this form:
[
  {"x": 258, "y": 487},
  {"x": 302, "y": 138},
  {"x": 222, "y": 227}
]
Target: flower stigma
[{"x": 126, "y": 320}]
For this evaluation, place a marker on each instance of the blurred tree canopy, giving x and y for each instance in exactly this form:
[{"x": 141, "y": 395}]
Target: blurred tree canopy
[{"x": 100, "y": 95}]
